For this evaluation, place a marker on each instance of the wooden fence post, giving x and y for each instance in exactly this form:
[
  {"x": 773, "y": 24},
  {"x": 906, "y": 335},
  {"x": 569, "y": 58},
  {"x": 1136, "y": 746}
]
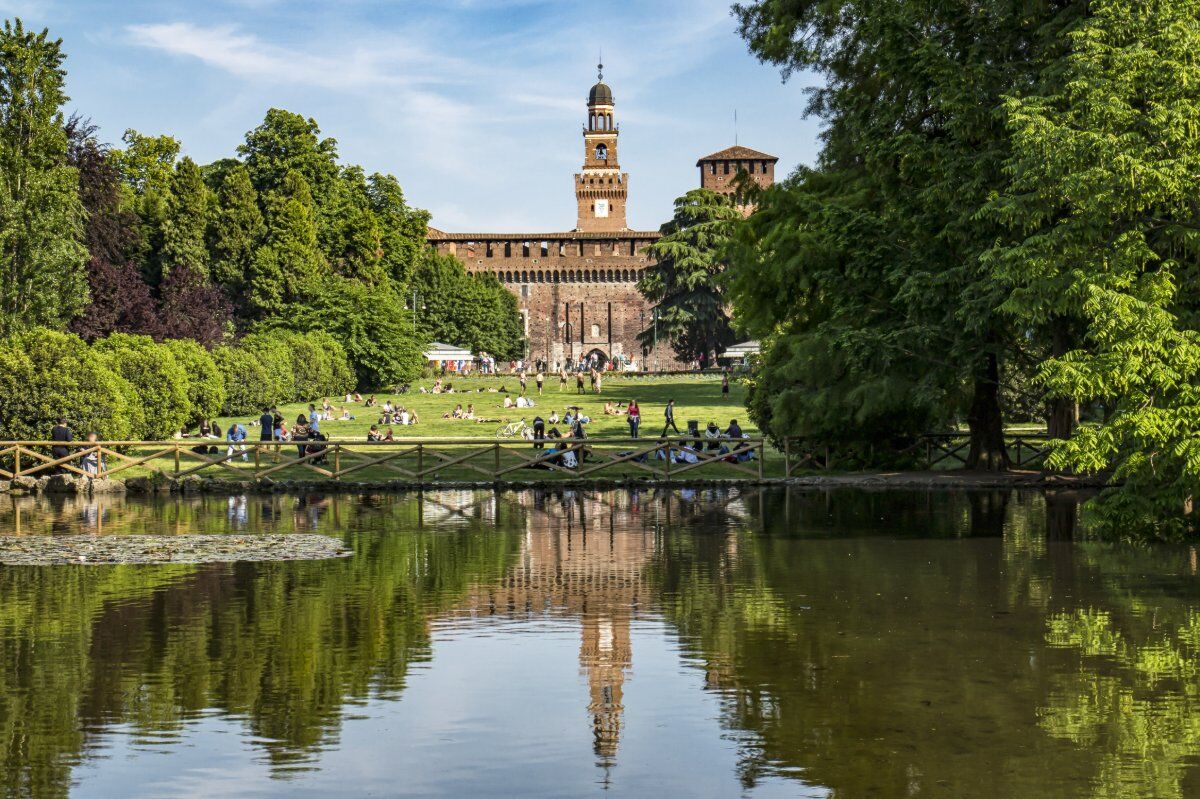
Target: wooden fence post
[
  {"x": 337, "y": 462},
  {"x": 420, "y": 459},
  {"x": 667, "y": 462},
  {"x": 496, "y": 465},
  {"x": 17, "y": 462},
  {"x": 176, "y": 458}
]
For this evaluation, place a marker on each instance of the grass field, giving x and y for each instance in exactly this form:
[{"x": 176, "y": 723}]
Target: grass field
[{"x": 697, "y": 398}]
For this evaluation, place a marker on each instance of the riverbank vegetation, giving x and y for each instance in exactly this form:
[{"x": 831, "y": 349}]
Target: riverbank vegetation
[{"x": 1002, "y": 214}]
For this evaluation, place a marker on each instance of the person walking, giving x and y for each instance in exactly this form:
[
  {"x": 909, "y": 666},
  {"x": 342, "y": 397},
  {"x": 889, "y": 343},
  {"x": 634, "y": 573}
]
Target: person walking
[
  {"x": 579, "y": 382},
  {"x": 725, "y": 382},
  {"x": 669, "y": 417},
  {"x": 562, "y": 379},
  {"x": 539, "y": 378},
  {"x": 523, "y": 382},
  {"x": 314, "y": 419},
  {"x": 634, "y": 418},
  {"x": 60, "y": 432}
]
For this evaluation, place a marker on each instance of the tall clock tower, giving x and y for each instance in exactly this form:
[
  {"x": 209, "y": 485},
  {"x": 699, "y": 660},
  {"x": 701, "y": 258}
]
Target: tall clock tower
[{"x": 601, "y": 188}]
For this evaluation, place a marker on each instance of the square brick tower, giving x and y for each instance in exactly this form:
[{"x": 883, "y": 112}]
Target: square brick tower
[
  {"x": 601, "y": 189},
  {"x": 719, "y": 171}
]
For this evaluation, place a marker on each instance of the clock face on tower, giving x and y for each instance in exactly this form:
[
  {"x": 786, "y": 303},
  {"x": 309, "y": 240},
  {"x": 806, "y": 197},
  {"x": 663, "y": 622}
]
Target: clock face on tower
[{"x": 601, "y": 208}]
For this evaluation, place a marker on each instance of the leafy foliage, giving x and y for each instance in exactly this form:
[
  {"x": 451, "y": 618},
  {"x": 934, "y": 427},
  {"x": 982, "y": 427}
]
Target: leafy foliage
[
  {"x": 46, "y": 374},
  {"x": 1105, "y": 155},
  {"x": 42, "y": 277},
  {"x": 205, "y": 383},
  {"x": 159, "y": 382},
  {"x": 471, "y": 311},
  {"x": 685, "y": 280}
]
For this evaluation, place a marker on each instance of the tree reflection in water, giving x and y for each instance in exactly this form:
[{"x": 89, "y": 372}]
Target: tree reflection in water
[{"x": 875, "y": 643}]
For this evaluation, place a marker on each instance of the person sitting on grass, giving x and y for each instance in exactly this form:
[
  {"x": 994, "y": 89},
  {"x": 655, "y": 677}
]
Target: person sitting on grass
[
  {"x": 388, "y": 435},
  {"x": 553, "y": 418},
  {"x": 437, "y": 386},
  {"x": 412, "y": 417},
  {"x": 282, "y": 433},
  {"x": 524, "y": 402},
  {"x": 508, "y": 403},
  {"x": 470, "y": 413},
  {"x": 371, "y": 402},
  {"x": 357, "y": 397},
  {"x": 457, "y": 413},
  {"x": 373, "y": 435},
  {"x": 610, "y": 409},
  {"x": 712, "y": 432},
  {"x": 346, "y": 417}
]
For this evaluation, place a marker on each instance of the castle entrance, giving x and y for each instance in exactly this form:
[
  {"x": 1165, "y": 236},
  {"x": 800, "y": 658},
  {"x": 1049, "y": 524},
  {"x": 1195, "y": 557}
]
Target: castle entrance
[{"x": 596, "y": 358}]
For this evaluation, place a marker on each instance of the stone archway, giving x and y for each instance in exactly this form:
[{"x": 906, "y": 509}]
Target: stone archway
[{"x": 601, "y": 361}]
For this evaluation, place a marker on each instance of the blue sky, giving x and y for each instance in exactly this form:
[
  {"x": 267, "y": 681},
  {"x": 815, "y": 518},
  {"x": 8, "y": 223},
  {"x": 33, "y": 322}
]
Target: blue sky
[{"x": 475, "y": 105}]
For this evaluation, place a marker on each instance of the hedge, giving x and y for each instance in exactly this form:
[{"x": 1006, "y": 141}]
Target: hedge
[
  {"x": 45, "y": 374},
  {"x": 206, "y": 384},
  {"x": 160, "y": 383},
  {"x": 248, "y": 384}
]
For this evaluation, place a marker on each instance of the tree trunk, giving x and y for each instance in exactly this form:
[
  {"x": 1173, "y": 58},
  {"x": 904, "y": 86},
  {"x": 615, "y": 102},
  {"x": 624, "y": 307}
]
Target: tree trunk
[
  {"x": 1062, "y": 512},
  {"x": 986, "y": 421},
  {"x": 1063, "y": 413}
]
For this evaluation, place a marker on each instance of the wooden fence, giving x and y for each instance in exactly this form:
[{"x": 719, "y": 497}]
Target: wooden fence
[
  {"x": 423, "y": 459},
  {"x": 1026, "y": 450}
]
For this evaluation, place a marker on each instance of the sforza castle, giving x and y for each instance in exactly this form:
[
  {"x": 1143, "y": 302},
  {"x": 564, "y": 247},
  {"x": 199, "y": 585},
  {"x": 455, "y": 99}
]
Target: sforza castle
[{"x": 577, "y": 289}]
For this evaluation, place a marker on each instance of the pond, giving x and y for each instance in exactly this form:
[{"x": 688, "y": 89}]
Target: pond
[{"x": 708, "y": 643}]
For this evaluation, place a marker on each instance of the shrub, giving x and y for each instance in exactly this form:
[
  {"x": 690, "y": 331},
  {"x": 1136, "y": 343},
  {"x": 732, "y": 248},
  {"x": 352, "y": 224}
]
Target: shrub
[
  {"x": 206, "y": 384},
  {"x": 160, "y": 383},
  {"x": 278, "y": 362},
  {"x": 248, "y": 384},
  {"x": 45, "y": 374}
]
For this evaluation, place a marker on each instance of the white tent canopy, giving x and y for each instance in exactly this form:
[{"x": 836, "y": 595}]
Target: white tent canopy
[
  {"x": 742, "y": 350},
  {"x": 438, "y": 351}
]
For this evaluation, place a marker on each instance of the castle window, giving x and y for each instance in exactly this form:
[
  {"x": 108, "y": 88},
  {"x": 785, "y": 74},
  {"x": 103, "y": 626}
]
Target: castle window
[
  {"x": 712, "y": 169},
  {"x": 601, "y": 152},
  {"x": 726, "y": 169},
  {"x": 525, "y": 291}
]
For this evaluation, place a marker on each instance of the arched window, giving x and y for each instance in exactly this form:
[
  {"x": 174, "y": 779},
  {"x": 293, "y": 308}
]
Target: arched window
[{"x": 601, "y": 152}]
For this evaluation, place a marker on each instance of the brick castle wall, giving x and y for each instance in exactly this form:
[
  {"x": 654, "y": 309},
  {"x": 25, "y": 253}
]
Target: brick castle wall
[{"x": 577, "y": 292}]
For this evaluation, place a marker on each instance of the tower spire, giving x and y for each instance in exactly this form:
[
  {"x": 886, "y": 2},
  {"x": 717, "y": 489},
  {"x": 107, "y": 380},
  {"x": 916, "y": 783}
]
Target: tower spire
[{"x": 600, "y": 65}]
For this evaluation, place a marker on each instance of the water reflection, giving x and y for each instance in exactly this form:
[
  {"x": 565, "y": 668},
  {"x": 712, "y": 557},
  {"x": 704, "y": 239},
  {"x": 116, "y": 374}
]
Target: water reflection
[{"x": 754, "y": 642}]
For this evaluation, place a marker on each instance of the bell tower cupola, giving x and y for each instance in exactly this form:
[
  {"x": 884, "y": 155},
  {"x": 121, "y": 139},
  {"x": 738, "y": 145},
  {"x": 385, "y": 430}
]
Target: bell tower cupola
[{"x": 601, "y": 188}]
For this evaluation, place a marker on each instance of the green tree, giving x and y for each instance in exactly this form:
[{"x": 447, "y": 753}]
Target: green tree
[
  {"x": 285, "y": 143},
  {"x": 289, "y": 266},
  {"x": 472, "y": 311},
  {"x": 910, "y": 98},
  {"x": 147, "y": 167},
  {"x": 685, "y": 280},
  {"x": 236, "y": 230},
  {"x": 1104, "y": 158},
  {"x": 186, "y": 221},
  {"x": 354, "y": 244},
  {"x": 370, "y": 324},
  {"x": 403, "y": 229},
  {"x": 42, "y": 275}
]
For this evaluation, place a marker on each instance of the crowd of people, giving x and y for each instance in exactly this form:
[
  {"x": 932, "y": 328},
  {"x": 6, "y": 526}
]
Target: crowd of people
[{"x": 564, "y": 444}]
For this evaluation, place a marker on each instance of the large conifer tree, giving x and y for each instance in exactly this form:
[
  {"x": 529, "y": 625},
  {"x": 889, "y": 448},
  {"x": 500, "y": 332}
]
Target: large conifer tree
[{"x": 42, "y": 277}]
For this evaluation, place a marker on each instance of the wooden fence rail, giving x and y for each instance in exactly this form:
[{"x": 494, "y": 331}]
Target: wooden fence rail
[
  {"x": 1026, "y": 450},
  {"x": 418, "y": 459}
]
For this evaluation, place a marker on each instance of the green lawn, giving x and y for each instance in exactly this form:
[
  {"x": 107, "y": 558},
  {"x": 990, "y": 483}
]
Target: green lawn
[{"x": 697, "y": 398}]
